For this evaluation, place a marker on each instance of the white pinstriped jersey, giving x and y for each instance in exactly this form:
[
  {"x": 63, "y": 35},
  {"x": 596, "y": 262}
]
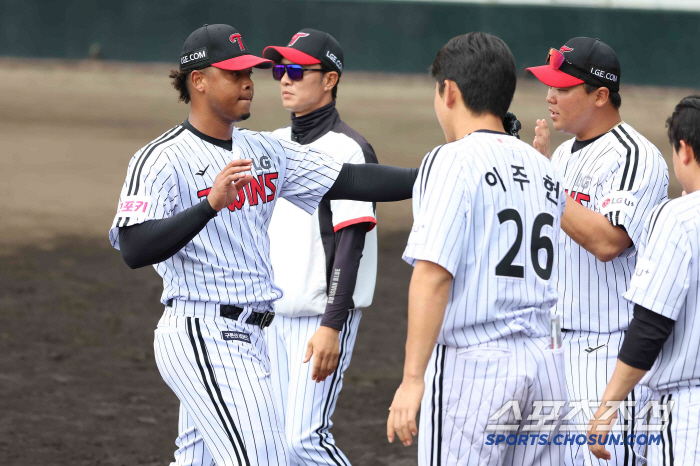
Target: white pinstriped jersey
[
  {"x": 487, "y": 208},
  {"x": 228, "y": 261},
  {"x": 667, "y": 281},
  {"x": 623, "y": 176}
]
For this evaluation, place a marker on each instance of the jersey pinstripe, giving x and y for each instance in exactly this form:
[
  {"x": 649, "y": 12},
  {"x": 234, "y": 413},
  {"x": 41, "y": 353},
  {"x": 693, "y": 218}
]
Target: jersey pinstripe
[
  {"x": 666, "y": 281},
  {"x": 228, "y": 261},
  {"x": 487, "y": 208},
  {"x": 622, "y": 176}
]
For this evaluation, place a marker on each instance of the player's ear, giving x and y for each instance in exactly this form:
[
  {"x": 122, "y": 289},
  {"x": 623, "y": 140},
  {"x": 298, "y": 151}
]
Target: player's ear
[
  {"x": 602, "y": 95},
  {"x": 197, "y": 78},
  {"x": 330, "y": 79},
  {"x": 685, "y": 153},
  {"x": 451, "y": 93}
]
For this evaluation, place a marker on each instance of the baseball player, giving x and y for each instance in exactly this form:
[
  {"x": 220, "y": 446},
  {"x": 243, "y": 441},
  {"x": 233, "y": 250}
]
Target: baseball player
[
  {"x": 196, "y": 204},
  {"x": 613, "y": 178},
  {"x": 486, "y": 210},
  {"x": 662, "y": 343},
  {"x": 326, "y": 263}
]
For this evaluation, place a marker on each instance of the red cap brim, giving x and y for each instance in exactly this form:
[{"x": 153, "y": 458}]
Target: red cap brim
[
  {"x": 295, "y": 56},
  {"x": 554, "y": 78},
  {"x": 243, "y": 62}
]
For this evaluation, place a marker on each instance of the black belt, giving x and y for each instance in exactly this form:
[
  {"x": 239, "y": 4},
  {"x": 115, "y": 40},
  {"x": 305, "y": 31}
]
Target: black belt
[{"x": 229, "y": 311}]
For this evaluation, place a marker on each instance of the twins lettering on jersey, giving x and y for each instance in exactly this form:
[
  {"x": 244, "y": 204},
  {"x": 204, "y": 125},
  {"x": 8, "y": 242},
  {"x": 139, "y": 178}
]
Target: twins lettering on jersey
[
  {"x": 255, "y": 192},
  {"x": 578, "y": 196}
]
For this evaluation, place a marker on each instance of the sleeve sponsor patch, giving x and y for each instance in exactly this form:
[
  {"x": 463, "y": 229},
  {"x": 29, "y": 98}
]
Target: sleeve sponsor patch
[
  {"x": 419, "y": 232},
  {"x": 135, "y": 207},
  {"x": 642, "y": 274},
  {"x": 624, "y": 201}
]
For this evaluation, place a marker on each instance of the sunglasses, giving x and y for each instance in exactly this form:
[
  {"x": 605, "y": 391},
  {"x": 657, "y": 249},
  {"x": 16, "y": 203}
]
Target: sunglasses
[
  {"x": 295, "y": 72},
  {"x": 555, "y": 59}
]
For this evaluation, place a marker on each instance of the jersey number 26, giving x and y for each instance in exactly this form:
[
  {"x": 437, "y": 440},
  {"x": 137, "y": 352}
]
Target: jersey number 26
[{"x": 505, "y": 267}]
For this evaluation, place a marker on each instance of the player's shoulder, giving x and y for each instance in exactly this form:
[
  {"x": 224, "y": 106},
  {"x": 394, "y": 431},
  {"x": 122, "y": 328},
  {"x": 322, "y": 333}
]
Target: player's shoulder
[
  {"x": 682, "y": 210},
  {"x": 564, "y": 149},
  {"x": 628, "y": 142},
  {"x": 480, "y": 147},
  {"x": 159, "y": 150},
  {"x": 356, "y": 140},
  {"x": 345, "y": 145},
  {"x": 267, "y": 141},
  {"x": 284, "y": 132}
]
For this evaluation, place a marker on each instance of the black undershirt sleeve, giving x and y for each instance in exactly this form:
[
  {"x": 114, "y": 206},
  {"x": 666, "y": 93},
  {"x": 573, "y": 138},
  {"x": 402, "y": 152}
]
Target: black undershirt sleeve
[
  {"x": 646, "y": 335},
  {"x": 371, "y": 182},
  {"x": 154, "y": 241},
  {"x": 349, "y": 244}
]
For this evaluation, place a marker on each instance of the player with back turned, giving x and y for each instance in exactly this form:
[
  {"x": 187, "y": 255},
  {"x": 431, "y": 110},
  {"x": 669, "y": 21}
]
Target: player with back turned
[
  {"x": 196, "y": 204},
  {"x": 486, "y": 219},
  {"x": 613, "y": 177},
  {"x": 662, "y": 343}
]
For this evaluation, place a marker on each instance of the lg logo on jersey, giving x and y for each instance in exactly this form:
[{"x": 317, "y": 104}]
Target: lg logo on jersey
[
  {"x": 255, "y": 192},
  {"x": 262, "y": 164}
]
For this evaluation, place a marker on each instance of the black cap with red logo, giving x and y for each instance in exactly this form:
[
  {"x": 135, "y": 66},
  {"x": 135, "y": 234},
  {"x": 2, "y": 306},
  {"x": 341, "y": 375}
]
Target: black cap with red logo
[
  {"x": 220, "y": 46},
  {"x": 309, "y": 47},
  {"x": 581, "y": 60}
]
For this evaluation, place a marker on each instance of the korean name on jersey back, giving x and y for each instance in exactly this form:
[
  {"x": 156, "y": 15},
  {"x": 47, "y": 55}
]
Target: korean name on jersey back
[{"x": 488, "y": 208}]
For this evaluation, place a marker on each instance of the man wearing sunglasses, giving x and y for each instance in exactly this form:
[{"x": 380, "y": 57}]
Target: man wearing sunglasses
[
  {"x": 613, "y": 177},
  {"x": 326, "y": 263}
]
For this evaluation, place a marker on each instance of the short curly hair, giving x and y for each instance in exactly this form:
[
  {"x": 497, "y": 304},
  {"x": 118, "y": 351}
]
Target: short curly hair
[{"x": 179, "y": 80}]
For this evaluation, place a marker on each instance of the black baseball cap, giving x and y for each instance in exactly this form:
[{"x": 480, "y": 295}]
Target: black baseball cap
[
  {"x": 309, "y": 47},
  {"x": 585, "y": 60},
  {"x": 220, "y": 46}
]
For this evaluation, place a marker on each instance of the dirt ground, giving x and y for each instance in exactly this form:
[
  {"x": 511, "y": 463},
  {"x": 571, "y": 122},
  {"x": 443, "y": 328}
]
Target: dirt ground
[{"x": 78, "y": 381}]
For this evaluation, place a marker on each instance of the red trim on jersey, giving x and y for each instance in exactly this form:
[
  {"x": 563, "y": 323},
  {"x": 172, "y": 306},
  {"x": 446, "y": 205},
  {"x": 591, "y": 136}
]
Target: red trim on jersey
[{"x": 371, "y": 220}]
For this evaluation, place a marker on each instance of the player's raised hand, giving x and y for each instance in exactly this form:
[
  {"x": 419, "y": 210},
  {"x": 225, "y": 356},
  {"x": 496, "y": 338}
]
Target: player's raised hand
[
  {"x": 541, "y": 141},
  {"x": 227, "y": 183},
  {"x": 324, "y": 346},
  {"x": 602, "y": 422},
  {"x": 403, "y": 411}
]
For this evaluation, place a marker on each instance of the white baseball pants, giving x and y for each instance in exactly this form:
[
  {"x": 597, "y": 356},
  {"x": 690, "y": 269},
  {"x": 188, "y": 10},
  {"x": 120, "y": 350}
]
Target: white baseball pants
[
  {"x": 590, "y": 362},
  {"x": 220, "y": 371},
  {"x": 464, "y": 387},
  {"x": 307, "y": 406}
]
